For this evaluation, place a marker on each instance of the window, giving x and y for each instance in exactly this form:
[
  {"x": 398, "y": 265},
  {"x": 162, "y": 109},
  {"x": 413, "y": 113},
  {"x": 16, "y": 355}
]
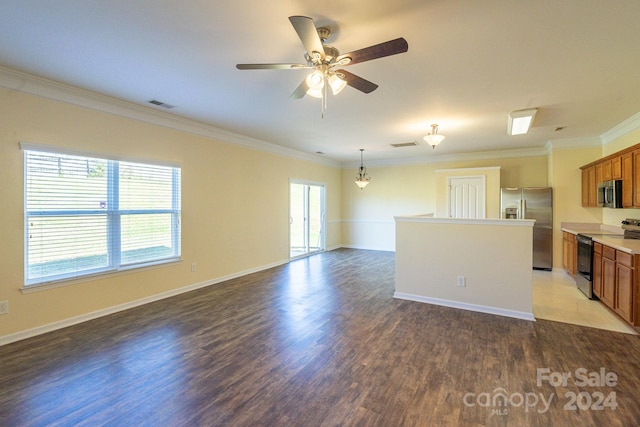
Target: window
[{"x": 87, "y": 215}]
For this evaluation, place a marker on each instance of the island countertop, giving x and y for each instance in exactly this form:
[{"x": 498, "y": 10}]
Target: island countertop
[{"x": 478, "y": 221}]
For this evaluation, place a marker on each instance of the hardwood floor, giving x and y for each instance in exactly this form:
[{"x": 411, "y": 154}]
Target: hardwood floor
[{"x": 319, "y": 341}]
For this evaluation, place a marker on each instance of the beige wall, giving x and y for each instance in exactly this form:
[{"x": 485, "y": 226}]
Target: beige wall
[
  {"x": 234, "y": 201},
  {"x": 432, "y": 253},
  {"x": 566, "y": 180},
  {"x": 413, "y": 189}
]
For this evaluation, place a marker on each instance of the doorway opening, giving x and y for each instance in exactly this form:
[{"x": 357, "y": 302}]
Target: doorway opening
[{"x": 306, "y": 218}]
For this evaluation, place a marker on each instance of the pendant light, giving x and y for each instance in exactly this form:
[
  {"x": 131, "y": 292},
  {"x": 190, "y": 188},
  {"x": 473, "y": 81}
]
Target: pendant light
[
  {"x": 434, "y": 138},
  {"x": 362, "y": 179}
]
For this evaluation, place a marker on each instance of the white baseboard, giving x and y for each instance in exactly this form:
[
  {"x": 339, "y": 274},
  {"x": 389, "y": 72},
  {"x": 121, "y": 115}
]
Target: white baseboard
[
  {"x": 18, "y": 336},
  {"x": 369, "y": 248},
  {"x": 465, "y": 306}
]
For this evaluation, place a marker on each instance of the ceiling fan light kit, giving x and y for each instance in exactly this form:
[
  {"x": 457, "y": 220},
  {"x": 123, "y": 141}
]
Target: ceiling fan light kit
[
  {"x": 434, "y": 138},
  {"x": 520, "y": 121},
  {"x": 323, "y": 59}
]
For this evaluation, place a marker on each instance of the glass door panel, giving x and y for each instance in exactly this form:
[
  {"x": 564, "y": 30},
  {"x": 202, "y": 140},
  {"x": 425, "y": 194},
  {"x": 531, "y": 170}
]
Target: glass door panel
[{"x": 306, "y": 218}]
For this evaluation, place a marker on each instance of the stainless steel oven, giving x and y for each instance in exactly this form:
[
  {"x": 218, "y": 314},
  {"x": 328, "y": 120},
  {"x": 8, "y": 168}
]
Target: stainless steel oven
[{"x": 584, "y": 275}]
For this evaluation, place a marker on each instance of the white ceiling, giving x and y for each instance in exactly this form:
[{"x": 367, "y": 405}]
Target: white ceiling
[{"x": 469, "y": 64}]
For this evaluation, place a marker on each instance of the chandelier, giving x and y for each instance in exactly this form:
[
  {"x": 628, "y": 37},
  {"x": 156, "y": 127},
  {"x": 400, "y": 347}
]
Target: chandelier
[{"x": 362, "y": 178}]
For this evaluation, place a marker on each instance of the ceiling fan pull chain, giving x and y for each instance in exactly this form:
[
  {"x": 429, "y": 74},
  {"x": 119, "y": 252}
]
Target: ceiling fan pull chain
[{"x": 325, "y": 92}]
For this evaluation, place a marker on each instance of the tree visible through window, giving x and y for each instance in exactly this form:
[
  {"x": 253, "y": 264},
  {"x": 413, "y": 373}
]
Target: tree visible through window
[{"x": 86, "y": 215}]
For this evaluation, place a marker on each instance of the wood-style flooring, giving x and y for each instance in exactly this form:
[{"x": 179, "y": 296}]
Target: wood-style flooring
[{"x": 318, "y": 342}]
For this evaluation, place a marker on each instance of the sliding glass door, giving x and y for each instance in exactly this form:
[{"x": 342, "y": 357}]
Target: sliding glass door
[{"x": 306, "y": 218}]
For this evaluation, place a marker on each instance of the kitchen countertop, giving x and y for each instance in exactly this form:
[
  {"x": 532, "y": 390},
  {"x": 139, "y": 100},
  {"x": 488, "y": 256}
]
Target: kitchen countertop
[{"x": 615, "y": 240}]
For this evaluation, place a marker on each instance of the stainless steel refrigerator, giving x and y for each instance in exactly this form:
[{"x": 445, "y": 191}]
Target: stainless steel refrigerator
[{"x": 532, "y": 203}]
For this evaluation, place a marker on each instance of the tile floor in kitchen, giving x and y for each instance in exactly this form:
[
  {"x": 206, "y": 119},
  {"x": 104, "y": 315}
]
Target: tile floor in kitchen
[{"x": 556, "y": 297}]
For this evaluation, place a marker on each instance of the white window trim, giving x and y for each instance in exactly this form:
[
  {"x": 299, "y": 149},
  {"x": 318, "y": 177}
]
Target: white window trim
[{"x": 122, "y": 269}]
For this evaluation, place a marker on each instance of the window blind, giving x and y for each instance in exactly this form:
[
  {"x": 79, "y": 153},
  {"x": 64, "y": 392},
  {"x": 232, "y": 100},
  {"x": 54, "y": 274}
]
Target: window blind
[{"x": 86, "y": 215}]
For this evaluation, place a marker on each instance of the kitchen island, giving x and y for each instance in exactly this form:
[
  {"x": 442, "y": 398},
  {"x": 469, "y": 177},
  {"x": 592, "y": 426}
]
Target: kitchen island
[{"x": 483, "y": 265}]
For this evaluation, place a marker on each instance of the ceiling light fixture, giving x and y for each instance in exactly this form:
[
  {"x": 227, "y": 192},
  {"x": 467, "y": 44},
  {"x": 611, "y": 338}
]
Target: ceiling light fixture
[
  {"x": 520, "y": 121},
  {"x": 362, "y": 179},
  {"x": 322, "y": 79},
  {"x": 434, "y": 138}
]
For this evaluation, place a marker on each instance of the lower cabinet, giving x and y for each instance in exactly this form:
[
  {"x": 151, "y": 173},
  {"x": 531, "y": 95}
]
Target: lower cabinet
[
  {"x": 569, "y": 253},
  {"x": 614, "y": 281},
  {"x": 596, "y": 274},
  {"x": 623, "y": 303},
  {"x": 608, "y": 292}
]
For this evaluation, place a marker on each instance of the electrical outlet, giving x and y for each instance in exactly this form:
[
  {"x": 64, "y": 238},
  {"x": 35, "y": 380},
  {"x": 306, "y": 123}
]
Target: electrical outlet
[
  {"x": 462, "y": 281},
  {"x": 4, "y": 307},
  {"x": 193, "y": 266}
]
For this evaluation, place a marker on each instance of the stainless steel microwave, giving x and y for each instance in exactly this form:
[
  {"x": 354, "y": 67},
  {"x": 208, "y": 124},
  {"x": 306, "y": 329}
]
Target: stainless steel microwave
[{"x": 610, "y": 194}]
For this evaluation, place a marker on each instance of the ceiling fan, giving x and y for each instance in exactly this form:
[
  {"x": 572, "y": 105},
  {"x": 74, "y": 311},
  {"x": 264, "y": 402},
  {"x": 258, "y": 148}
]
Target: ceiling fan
[{"x": 324, "y": 60}]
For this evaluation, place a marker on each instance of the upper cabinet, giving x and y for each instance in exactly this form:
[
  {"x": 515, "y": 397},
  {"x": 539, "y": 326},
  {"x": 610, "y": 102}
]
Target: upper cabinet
[
  {"x": 624, "y": 165},
  {"x": 589, "y": 187}
]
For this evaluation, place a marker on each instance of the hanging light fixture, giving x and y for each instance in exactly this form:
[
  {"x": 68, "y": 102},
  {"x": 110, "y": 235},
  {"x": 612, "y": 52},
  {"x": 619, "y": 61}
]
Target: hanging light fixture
[
  {"x": 336, "y": 83},
  {"x": 315, "y": 82},
  {"x": 320, "y": 80},
  {"x": 362, "y": 179},
  {"x": 434, "y": 138}
]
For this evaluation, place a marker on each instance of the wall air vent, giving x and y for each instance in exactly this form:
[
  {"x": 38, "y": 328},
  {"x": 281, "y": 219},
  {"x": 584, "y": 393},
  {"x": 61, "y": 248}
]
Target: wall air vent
[
  {"x": 161, "y": 104},
  {"x": 405, "y": 144}
]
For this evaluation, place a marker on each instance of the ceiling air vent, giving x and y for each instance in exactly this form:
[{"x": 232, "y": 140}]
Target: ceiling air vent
[
  {"x": 405, "y": 144},
  {"x": 161, "y": 104}
]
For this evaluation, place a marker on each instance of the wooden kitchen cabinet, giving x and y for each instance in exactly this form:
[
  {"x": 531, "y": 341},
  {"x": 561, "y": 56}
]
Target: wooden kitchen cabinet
[
  {"x": 615, "y": 281},
  {"x": 605, "y": 168},
  {"x": 599, "y": 171},
  {"x": 569, "y": 253},
  {"x": 636, "y": 178},
  {"x": 596, "y": 273},
  {"x": 623, "y": 165},
  {"x": 589, "y": 187},
  {"x": 608, "y": 293},
  {"x": 616, "y": 167},
  {"x": 623, "y": 300},
  {"x": 628, "y": 184},
  {"x": 585, "y": 187}
]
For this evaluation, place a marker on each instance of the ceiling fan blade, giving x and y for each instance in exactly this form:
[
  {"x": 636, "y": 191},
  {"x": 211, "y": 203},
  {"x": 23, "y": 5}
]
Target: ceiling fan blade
[
  {"x": 300, "y": 91},
  {"x": 271, "y": 66},
  {"x": 392, "y": 47},
  {"x": 306, "y": 29},
  {"x": 357, "y": 82}
]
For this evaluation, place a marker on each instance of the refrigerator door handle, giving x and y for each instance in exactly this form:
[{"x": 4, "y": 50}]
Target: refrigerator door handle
[{"x": 523, "y": 208}]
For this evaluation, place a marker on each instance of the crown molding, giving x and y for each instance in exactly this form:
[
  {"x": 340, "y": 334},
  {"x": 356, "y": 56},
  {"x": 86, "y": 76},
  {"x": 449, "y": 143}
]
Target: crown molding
[
  {"x": 45, "y": 88},
  {"x": 629, "y": 125},
  {"x": 39, "y": 86},
  {"x": 575, "y": 143},
  {"x": 478, "y": 155}
]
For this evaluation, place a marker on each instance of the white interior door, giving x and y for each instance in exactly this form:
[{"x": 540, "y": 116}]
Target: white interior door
[
  {"x": 306, "y": 218},
  {"x": 467, "y": 197}
]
